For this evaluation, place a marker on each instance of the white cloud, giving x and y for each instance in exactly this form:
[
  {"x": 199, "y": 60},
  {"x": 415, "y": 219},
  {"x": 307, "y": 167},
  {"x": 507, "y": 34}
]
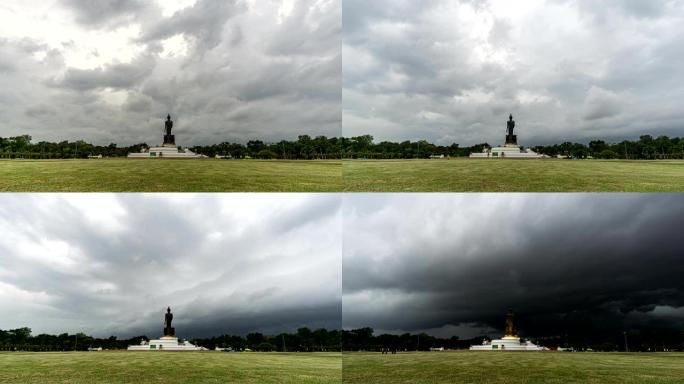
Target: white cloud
[{"x": 171, "y": 7}]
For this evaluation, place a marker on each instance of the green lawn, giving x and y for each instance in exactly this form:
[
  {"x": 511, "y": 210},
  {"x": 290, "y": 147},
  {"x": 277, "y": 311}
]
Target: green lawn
[
  {"x": 513, "y": 367},
  {"x": 157, "y": 175},
  {"x": 502, "y": 175},
  {"x": 457, "y": 175},
  {"x": 169, "y": 367}
]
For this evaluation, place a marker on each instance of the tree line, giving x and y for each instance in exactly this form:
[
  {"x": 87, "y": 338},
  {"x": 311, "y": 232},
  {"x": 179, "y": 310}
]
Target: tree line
[
  {"x": 647, "y": 147},
  {"x": 361, "y": 339},
  {"x": 364, "y": 339},
  {"x": 641, "y": 340},
  {"x": 304, "y": 340},
  {"x": 21, "y": 147},
  {"x": 21, "y": 339},
  {"x": 358, "y": 147}
]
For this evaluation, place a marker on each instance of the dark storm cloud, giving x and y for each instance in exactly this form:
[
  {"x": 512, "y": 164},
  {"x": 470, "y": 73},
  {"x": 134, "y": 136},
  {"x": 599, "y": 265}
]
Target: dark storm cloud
[
  {"x": 110, "y": 264},
  {"x": 224, "y": 70},
  {"x": 433, "y": 262},
  {"x": 451, "y": 71}
]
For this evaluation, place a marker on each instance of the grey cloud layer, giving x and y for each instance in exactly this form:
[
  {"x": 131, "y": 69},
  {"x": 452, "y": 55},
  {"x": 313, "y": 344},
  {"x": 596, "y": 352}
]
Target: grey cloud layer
[
  {"x": 104, "y": 12},
  {"x": 567, "y": 70},
  {"x": 440, "y": 262},
  {"x": 110, "y": 264},
  {"x": 250, "y": 73}
]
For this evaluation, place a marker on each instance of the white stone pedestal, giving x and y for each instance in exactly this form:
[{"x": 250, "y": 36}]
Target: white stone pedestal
[
  {"x": 165, "y": 343},
  {"x": 166, "y": 152},
  {"x": 507, "y": 343},
  {"x": 508, "y": 151}
]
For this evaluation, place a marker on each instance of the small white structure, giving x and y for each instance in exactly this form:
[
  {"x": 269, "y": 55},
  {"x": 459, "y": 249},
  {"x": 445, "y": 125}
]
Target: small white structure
[
  {"x": 510, "y": 342},
  {"x": 165, "y": 343},
  {"x": 225, "y": 349}
]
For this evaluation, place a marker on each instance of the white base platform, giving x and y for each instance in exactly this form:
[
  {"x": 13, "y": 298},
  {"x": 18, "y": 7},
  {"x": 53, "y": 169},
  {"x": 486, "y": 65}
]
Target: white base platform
[
  {"x": 508, "y": 151},
  {"x": 166, "y": 152},
  {"x": 165, "y": 343},
  {"x": 507, "y": 343}
]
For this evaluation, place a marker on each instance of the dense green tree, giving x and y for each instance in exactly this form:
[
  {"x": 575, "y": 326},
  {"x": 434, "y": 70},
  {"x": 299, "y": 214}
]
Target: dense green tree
[{"x": 606, "y": 154}]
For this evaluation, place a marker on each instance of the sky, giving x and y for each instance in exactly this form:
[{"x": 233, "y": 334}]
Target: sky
[
  {"x": 568, "y": 70},
  {"x": 110, "y": 71},
  {"x": 453, "y": 264},
  {"x": 110, "y": 264},
  {"x": 445, "y": 264}
]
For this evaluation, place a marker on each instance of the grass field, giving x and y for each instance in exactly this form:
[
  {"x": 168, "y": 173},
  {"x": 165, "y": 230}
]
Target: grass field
[
  {"x": 513, "y": 368},
  {"x": 170, "y": 367},
  {"x": 458, "y": 175},
  {"x": 500, "y": 175},
  {"x": 140, "y": 175}
]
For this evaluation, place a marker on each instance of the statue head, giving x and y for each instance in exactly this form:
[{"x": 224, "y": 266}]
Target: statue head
[
  {"x": 168, "y": 310},
  {"x": 510, "y": 117},
  {"x": 168, "y": 117}
]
